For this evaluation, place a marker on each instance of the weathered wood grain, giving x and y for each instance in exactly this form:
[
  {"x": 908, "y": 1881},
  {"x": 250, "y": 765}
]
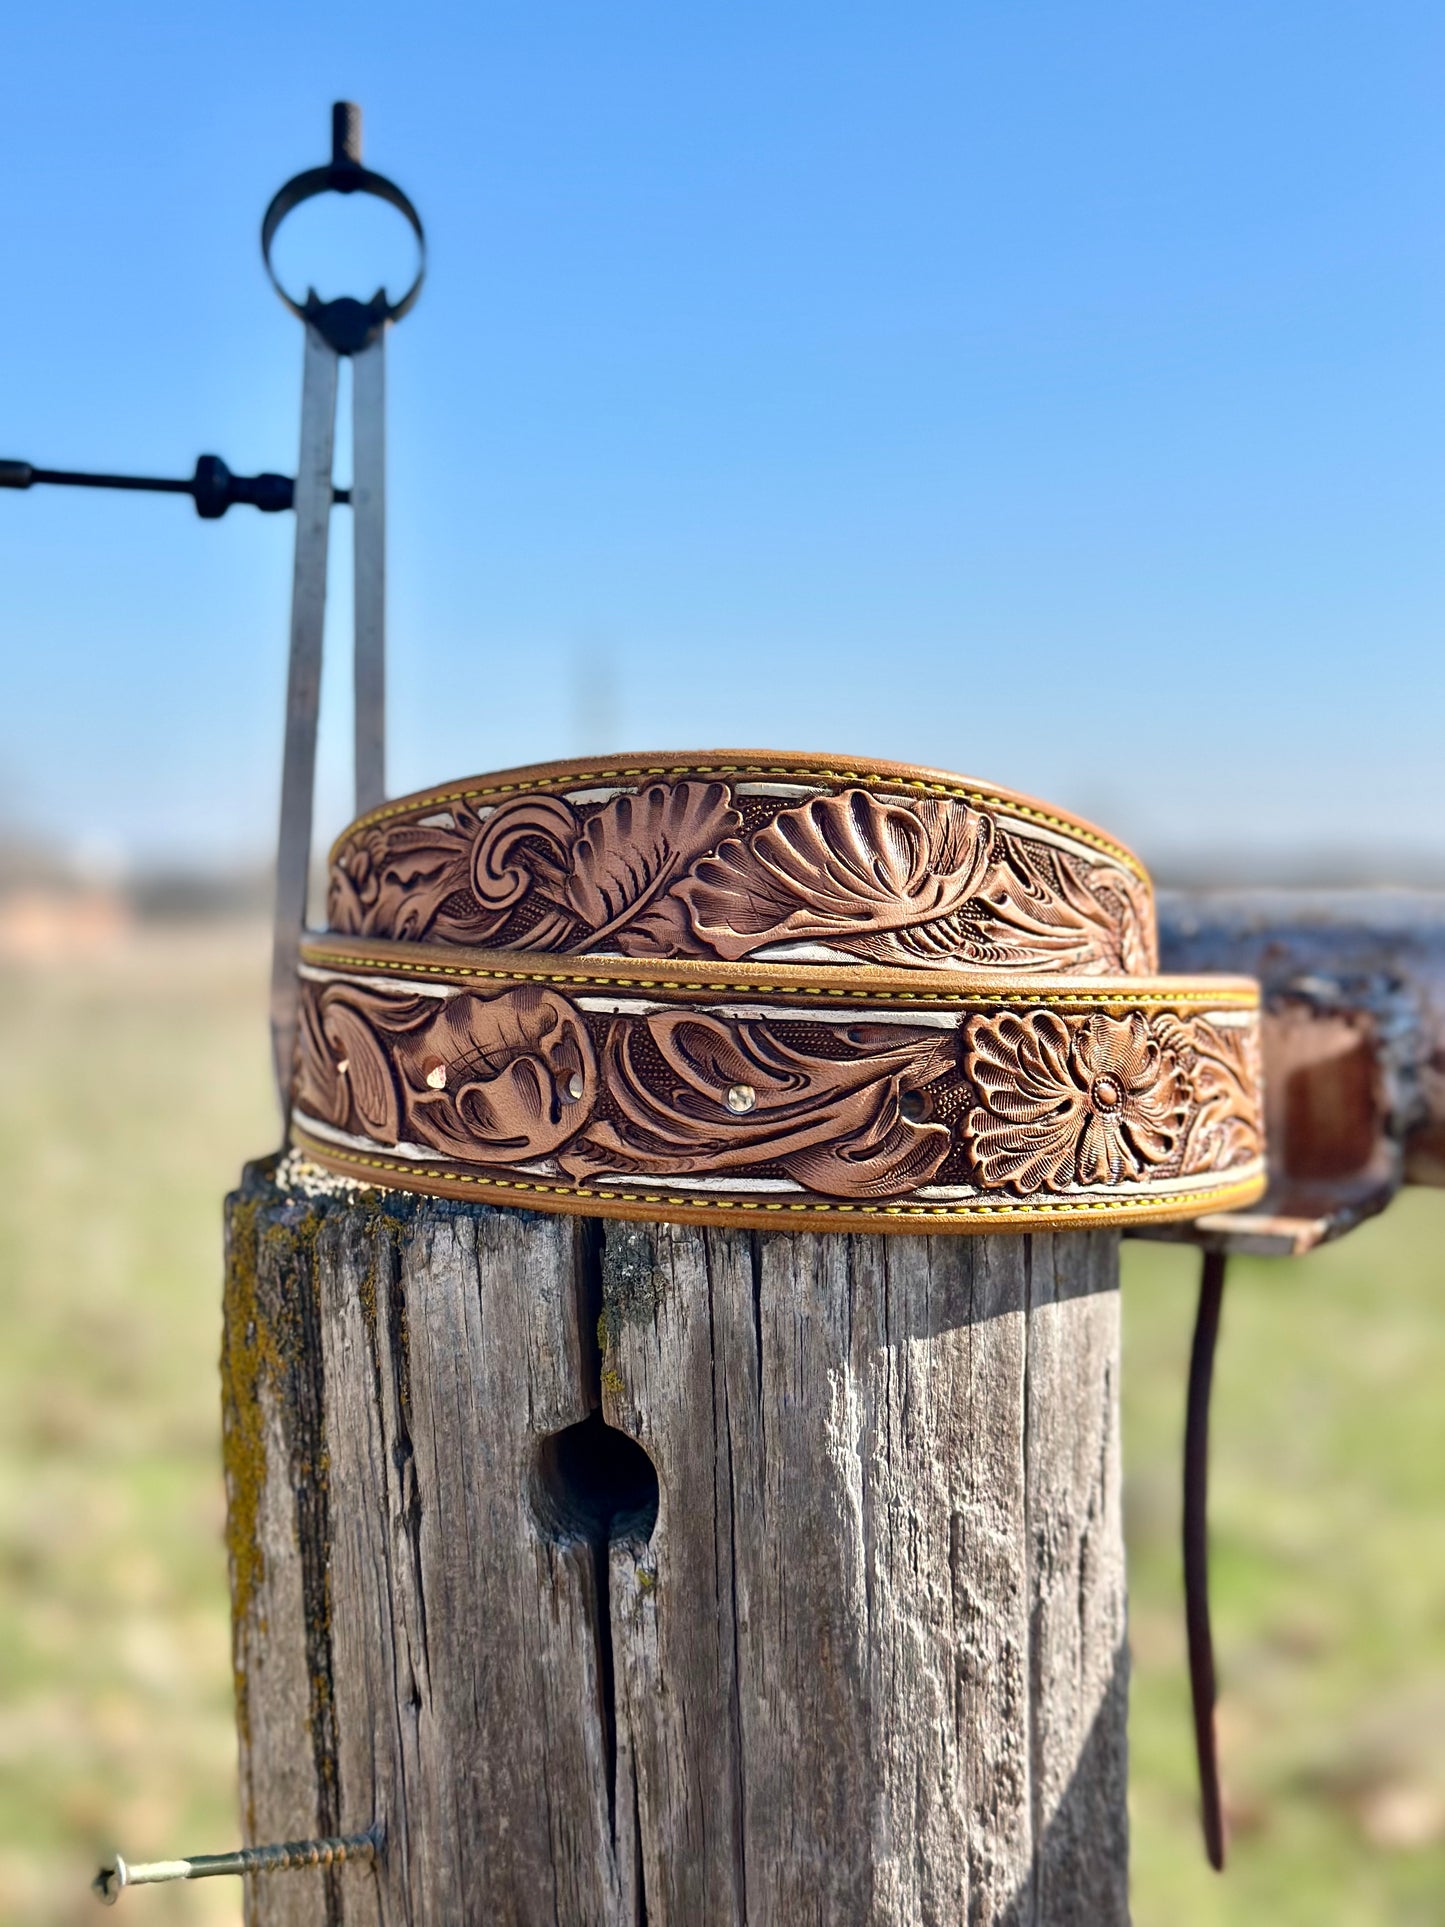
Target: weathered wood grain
[{"x": 860, "y": 1658}]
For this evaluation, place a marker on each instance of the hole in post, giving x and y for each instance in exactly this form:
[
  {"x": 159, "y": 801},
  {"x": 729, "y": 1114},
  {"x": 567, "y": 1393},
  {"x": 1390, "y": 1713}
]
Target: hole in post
[{"x": 594, "y": 1483}]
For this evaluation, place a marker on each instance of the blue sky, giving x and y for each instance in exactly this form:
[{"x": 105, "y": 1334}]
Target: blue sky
[{"x": 1049, "y": 392}]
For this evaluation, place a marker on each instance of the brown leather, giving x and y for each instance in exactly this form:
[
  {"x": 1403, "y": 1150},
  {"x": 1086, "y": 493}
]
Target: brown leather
[
  {"x": 802, "y": 988},
  {"x": 784, "y": 990},
  {"x": 736, "y": 854},
  {"x": 1195, "y": 1521},
  {"x": 789, "y": 1095}
]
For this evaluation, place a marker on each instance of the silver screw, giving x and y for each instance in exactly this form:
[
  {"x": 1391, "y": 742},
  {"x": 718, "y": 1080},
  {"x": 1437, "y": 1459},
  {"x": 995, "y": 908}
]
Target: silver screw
[{"x": 119, "y": 1874}]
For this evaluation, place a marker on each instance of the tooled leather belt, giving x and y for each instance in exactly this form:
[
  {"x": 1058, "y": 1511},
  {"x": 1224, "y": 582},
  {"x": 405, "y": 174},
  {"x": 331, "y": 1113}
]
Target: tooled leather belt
[{"x": 778, "y": 989}]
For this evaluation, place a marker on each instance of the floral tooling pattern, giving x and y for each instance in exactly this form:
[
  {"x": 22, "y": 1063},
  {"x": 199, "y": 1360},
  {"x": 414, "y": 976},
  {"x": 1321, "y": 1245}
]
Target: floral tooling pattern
[
  {"x": 839, "y": 1125},
  {"x": 1020, "y": 1101},
  {"x": 509, "y": 1077},
  {"x": 513, "y": 1076},
  {"x": 1100, "y": 1100},
  {"x": 1060, "y": 1104},
  {"x": 692, "y": 868}
]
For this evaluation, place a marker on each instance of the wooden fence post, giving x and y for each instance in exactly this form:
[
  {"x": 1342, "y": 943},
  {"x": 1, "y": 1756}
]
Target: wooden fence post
[{"x": 639, "y": 1573}]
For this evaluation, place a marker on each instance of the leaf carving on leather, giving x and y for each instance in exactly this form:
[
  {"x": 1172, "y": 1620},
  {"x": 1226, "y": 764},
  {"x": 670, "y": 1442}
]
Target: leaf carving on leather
[
  {"x": 1131, "y": 906},
  {"x": 846, "y": 869},
  {"x": 345, "y": 1075},
  {"x": 1059, "y": 917},
  {"x": 835, "y": 1124},
  {"x": 409, "y": 881},
  {"x": 506, "y": 1077},
  {"x": 523, "y": 850},
  {"x": 628, "y": 855},
  {"x": 1224, "y": 1072}
]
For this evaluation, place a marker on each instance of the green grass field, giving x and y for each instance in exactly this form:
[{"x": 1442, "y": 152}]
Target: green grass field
[{"x": 134, "y": 1084}]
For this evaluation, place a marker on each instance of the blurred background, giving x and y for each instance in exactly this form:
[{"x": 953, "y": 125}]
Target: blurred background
[{"x": 1051, "y": 393}]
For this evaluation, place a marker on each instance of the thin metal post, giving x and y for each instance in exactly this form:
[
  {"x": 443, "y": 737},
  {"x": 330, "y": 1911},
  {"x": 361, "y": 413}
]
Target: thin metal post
[
  {"x": 303, "y": 693},
  {"x": 368, "y": 508}
]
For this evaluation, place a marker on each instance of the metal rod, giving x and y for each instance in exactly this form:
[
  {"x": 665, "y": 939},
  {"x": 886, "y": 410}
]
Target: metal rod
[
  {"x": 303, "y": 695},
  {"x": 213, "y": 488},
  {"x": 23, "y": 475},
  {"x": 292, "y": 1856},
  {"x": 1196, "y": 1552},
  {"x": 368, "y": 539}
]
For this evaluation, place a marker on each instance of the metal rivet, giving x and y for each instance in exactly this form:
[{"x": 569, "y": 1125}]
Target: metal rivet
[
  {"x": 436, "y": 1077},
  {"x": 741, "y": 1097}
]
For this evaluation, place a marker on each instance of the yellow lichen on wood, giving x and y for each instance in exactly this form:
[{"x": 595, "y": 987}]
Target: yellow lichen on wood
[
  {"x": 262, "y": 1344},
  {"x": 249, "y": 1353}
]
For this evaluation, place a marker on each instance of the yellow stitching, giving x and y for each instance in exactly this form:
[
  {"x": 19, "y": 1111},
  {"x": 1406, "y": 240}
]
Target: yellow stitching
[
  {"x": 983, "y": 798},
  {"x": 1231, "y": 999},
  {"x": 1090, "y": 1207}
]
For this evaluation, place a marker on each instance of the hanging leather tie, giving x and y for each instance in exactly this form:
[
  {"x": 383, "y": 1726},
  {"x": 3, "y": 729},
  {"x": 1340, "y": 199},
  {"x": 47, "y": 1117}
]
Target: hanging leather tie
[{"x": 1196, "y": 1552}]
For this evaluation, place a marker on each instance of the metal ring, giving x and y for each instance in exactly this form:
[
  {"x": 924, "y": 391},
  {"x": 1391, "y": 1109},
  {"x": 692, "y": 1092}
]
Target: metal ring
[{"x": 341, "y": 177}]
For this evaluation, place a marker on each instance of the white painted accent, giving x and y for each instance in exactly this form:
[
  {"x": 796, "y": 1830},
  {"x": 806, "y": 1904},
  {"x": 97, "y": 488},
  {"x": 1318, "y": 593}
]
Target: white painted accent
[
  {"x": 603, "y": 794},
  {"x": 332, "y": 1136},
  {"x": 620, "y": 1006},
  {"x": 780, "y": 789},
  {"x": 439, "y": 991},
  {"x": 720, "y": 1183},
  {"x": 908, "y": 1019},
  {"x": 1041, "y": 833},
  {"x": 800, "y": 953}
]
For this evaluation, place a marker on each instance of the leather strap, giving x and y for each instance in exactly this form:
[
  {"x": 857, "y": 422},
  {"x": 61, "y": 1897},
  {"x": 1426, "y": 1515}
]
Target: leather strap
[
  {"x": 1196, "y": 1553},
  {"x": 786, "y": 990},
  {"x": 748, "y": 855},
  {"x": 790, "y": 1095}
]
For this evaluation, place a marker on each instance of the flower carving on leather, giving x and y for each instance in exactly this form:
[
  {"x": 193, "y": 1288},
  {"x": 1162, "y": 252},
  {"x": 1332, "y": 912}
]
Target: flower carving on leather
[
  {"x": 847, "y": 869},
  {"x": 1092, "y": 1100}
]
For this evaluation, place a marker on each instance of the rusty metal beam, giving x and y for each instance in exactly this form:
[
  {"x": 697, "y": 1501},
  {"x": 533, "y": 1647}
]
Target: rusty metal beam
[{"x": 1354, "y": 1049}]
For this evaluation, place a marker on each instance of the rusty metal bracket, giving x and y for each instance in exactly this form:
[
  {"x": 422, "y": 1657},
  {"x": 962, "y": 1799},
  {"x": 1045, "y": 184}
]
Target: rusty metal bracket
[
  {"x": 1354, "y": 1050},
  {"x": 1353, "y": 1037}
]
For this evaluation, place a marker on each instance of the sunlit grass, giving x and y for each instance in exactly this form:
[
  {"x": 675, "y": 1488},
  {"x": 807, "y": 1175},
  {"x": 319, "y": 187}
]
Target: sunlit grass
[{"x": 134, "y": 1085}]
